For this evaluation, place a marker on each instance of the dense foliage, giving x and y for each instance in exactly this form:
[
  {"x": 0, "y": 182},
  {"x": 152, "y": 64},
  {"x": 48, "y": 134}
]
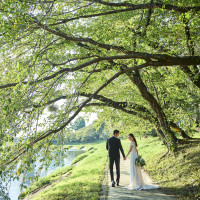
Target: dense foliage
[
  {"x": 78, "y": 124},
  {"x": 91, "y": 133}
]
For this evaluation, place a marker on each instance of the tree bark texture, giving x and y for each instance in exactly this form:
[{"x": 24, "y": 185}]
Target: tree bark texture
[{"x": 164, "y": 125}]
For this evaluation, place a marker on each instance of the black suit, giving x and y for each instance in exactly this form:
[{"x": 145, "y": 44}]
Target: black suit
[{"x": 113, "y": 146}]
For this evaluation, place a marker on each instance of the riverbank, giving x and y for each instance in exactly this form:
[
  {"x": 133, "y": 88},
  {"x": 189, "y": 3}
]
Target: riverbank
[
  {"x": 176, "y": 174},
  {"x": 82, "y": 180}
]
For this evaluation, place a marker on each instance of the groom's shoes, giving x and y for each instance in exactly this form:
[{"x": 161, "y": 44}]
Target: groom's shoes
[
  {"x": 113, "y": 183},
  {"x": 117, "y": 183}
]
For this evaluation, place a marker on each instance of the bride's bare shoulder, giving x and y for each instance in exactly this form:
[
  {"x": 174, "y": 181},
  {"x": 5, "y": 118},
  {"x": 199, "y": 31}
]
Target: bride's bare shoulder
[{"x": 132, "y": 143}]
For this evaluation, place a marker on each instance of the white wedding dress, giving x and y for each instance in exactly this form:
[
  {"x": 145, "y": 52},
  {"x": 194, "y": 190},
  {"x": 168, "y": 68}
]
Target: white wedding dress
[{"x": 137, "y": 176}]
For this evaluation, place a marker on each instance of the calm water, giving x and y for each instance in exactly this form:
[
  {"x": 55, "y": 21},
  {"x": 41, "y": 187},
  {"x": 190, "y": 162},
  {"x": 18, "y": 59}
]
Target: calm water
[{"x": 14, "y": 190}]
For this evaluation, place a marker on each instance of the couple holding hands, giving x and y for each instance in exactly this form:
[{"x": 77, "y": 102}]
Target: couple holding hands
[{"x": 114, "y": 147}]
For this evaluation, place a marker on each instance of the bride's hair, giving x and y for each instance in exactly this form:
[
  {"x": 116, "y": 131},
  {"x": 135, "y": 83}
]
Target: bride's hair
[{"x": 133, "y": 138}]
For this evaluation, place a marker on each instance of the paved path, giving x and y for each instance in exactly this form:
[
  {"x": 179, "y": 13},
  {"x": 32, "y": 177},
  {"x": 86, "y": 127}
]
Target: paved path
[{"x": 120, "y": 193}]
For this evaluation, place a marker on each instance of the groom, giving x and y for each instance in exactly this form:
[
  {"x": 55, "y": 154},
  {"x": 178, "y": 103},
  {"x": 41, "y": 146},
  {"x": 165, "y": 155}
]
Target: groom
[{"x": 113, "y": 146}]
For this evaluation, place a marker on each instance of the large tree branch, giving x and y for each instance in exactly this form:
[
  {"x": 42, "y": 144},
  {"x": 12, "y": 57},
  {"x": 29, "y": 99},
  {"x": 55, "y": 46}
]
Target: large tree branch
[
  {"x": 130, "y": 108},
  {"x": 163, "y": 60},
  {"x": 54, "y": 75},
  {"x": 131, "y": 7},
  {"x": 151, "y": 120},
  {"x": 80, "y": 39},
  {"x": 122, "y": 104},
  {"x": 145, "y": 56},
  {"x": 96, "y": 60},
  {"x": 148, "y": 5}
]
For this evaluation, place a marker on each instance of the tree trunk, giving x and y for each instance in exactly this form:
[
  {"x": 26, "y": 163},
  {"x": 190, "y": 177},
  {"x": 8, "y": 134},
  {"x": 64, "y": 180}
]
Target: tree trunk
[
  {"x": 170, "y": 138},
  {"x": 160, "y": 134}
]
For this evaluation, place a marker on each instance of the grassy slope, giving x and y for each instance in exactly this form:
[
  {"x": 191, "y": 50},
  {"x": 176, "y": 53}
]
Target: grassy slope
[
  {"x": 84, "y": 181},
  {"x": 179, "y": 174}
]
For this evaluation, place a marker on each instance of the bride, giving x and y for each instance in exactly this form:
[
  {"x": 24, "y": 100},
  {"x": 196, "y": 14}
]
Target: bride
[{"x": 137, "y": 177}]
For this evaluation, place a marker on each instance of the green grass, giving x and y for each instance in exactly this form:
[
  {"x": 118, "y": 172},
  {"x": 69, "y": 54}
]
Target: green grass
[
  {"x": 84, "y": 181},
  {"x": 49, "y": 179},
  {"x": 177, "y": 174},
  {"x": 82, "y": 156}
]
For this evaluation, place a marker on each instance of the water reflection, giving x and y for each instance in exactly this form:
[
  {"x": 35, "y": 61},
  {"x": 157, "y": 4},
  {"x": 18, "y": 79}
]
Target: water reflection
[{"x": 14, "y": 189}]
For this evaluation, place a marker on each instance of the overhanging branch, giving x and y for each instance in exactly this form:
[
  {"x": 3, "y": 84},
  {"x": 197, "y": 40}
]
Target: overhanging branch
[
  {"x": 148, "y": 6},
  {"x": 130, "y": 108},
  {"x": 131, "y": 7},
  {"x": 162, "y": 60}
]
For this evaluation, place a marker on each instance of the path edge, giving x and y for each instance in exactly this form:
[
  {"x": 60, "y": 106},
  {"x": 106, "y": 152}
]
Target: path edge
[{"x": 104, "y": 187}]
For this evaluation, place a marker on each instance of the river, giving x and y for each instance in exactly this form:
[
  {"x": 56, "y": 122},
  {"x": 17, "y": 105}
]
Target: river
[{"x": 14, "y": 187}]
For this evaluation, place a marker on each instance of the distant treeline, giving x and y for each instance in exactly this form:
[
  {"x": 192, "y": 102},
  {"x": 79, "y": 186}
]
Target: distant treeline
[{"x": 78, "y": 132}]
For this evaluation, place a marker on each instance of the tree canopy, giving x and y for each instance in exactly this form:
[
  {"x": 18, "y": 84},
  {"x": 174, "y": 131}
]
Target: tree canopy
[
  {"x": 90, "y": 133},
  {"x": 140, "y": 58}
]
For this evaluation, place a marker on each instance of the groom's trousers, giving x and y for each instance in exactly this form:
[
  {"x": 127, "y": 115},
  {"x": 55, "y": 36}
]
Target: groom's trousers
[{"x": 117, "y": 164}]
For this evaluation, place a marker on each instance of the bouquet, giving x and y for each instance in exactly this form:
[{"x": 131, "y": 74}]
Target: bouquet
[{"x": 140, "y": 162}]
